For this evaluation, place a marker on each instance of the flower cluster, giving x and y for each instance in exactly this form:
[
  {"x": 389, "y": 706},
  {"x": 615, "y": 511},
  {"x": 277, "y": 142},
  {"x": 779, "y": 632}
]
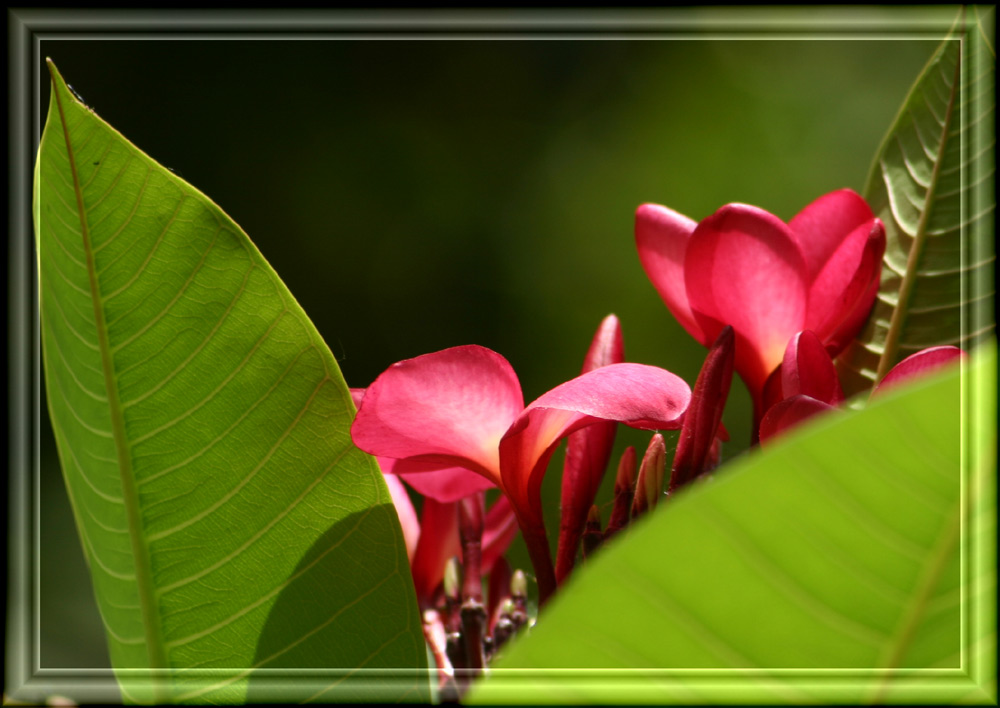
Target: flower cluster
[{"x": 775, "y": 302}]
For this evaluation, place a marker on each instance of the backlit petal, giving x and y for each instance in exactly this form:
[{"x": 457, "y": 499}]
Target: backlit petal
[
  {"x": 744, "y": 268},
  {"x": 808, "y": 369},
  {"x": 822, "y": 226},
  {"x": 922, "y": 363},
  {"x": 438, "y": 542},
  {"x": 406, "y": 513},
  {"x": 446, "y": 485},
  {"x": 640, "y": 396},
  {"x": 661, "y": 237},
  {"x": 844, "y": 288},
  {"x": 637, "y": 395},
  {"x": 449, "y": 408},
  {"x": 790, "y": 412},
  {"x": 869, "y": 274}
]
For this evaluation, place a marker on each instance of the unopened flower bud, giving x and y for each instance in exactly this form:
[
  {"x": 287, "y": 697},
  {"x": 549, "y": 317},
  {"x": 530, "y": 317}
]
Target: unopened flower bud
[
  {"x": 650, "y": 482},
  {"x": 519, "y": 585},
  {"x": 624, "y": 490},
  {"x": 452, "y": 582},
  {"x": 592, "y": 534}
]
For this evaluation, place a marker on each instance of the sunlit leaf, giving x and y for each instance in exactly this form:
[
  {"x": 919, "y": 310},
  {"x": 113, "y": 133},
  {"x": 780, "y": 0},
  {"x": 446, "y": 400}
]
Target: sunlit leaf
[
  {"x": 231, "y": 528},
  {"x": 851, "y": 561},
  {"x": 931, "y": 183}
]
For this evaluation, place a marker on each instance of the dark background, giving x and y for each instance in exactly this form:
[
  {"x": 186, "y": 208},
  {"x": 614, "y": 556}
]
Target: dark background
[{"x": 416, "y": 195}]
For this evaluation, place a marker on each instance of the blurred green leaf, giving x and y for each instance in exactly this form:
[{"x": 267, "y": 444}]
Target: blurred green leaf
[
  {"x": 232, "y": 529},
  {"x": 931, "y": 183},
  {"x": 840, "y": 564}
]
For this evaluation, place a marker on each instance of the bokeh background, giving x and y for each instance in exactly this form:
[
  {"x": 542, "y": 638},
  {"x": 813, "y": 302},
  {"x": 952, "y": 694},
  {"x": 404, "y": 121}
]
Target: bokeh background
[{"x": 416, "y": 195}]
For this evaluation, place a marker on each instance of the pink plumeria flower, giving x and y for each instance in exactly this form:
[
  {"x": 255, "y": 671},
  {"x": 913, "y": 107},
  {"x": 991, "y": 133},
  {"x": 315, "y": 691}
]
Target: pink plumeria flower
[
  {"x": 463, "y": 407},
  {"x": 745, "y": 267}
]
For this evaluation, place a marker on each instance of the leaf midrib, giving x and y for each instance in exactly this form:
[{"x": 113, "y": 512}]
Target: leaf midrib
[
  {"x": 910, "y": 621},
  {"x": 140, "y": 551},
  {"x": 899, "y": 312}
]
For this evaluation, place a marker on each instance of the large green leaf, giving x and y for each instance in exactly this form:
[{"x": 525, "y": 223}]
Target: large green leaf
[
  {"x": 931, "y": 183},
  {"x": 232, "y": 530},
  {"x": 854, "y": 560}
]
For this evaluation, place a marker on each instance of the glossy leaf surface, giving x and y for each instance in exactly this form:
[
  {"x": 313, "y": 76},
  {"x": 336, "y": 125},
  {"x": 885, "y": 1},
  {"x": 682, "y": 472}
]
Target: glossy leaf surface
[
  {"x": 932, "y": 185},
  {"x": 826, "y": 568},
  {"x": 230, "y": 525}
]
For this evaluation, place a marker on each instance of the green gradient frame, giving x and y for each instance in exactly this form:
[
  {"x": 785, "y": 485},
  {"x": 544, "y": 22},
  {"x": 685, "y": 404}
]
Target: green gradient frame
[{"x": 26, "y": 681}]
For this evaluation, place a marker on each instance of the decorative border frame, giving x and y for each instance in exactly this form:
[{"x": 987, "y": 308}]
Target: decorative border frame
[{"x": 26, "y": 28}]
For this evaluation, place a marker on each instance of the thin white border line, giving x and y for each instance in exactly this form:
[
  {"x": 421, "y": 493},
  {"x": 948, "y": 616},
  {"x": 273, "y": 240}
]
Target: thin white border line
[
  {"x": 507, "y": 36},
  {"x": 963, "y": 287}
]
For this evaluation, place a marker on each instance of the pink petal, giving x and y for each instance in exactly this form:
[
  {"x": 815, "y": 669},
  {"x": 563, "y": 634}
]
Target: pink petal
[
  {"x": 920, "y": 364},
  {"x": 866, "y": 284},
  {"x": 789, "y": 413},
  {"x": 822, "y": 226},
  {"x": 744, "y": 268},
  {"x": 640, "y": 396},
  {"x": 429, "y": 479},
  {"x": 587, "y": 453},
  {"x": 843, "y": 290},
  {"x": 661, "y": 237},
  {"x": 445, "y": 485},
  {"x": 449, "y": 408},
  {"x": 406, "y": 513},
  {"x": 808, "y": 369},
  {"x": 637, "y": 395},
  {"x": 438, "y": 542}
]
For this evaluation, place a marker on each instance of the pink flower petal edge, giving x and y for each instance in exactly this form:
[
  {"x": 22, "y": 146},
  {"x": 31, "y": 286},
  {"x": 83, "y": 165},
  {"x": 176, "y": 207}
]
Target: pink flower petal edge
[
  {"x": 635, "y": 394},
  {"x": 789, "y": 413},
  {"x": 808, "y": 369},
  {"x": 661, "y": 237},
  {"x": 406, "y": 513},
  {"x": 920, "y": 364},
  {"x": 449, "y": 408},
  {"x": 821, "y": 225}
]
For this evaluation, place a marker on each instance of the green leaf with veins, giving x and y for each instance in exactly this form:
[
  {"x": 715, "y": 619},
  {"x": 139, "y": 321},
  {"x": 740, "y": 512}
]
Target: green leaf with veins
[
  {"x": 230, "y": 525},
  {"x": 852, "y": 561},
  {"x": 931, "y": 183}
]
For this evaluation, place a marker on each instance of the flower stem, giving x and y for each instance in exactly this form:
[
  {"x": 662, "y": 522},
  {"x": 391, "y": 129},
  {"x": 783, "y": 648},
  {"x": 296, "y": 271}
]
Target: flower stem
[{"x": 541, "y": 557}]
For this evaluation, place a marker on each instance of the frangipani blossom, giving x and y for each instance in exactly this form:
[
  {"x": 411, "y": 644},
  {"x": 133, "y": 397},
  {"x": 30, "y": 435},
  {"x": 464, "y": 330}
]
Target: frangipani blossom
[
  {"x": 745, "y": 267},
  {"x": 463, "y": 407}
]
